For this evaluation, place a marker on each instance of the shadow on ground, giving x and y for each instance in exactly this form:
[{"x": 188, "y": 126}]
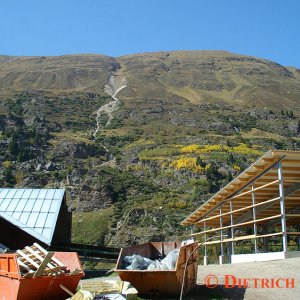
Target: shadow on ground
[
  {"x": 202, "y": 292},
  {"x": 219, "y": 292}
]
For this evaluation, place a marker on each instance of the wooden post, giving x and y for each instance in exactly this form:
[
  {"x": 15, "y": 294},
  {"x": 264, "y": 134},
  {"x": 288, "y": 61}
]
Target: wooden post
[
  {"x": 254, "y": 218},
  {"x": 282, "y": 207}
]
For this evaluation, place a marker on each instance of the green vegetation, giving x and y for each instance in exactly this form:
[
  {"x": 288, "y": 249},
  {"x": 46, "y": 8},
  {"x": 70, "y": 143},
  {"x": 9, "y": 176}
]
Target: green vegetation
[{"x": 91, "y": 227}]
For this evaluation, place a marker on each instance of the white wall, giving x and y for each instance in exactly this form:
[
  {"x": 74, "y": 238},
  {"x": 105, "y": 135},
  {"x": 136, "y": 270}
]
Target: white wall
[{"x": 240, "y": 258}]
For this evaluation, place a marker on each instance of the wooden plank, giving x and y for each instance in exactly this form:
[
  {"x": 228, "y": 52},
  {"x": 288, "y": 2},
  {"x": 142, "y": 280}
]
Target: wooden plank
[
  {"x": 28, "y": 259},
  {"x": 66, "y": 290},
  {"x": 55, "y": 270},
  {"x": 241, "y": 238},
  {"x": 39, "y": 257},
  {"x": 253, "y": 176},
  {"x": 29, "y": 274},
  {"x": 22, "y": 265},
  {"x": 237, "y": 225},
  {"x": 291, "y": 181},
  {"x": 53, "y": 258},
  {"x": 230, "y": 240},
  {"x": 240, "y": 209},
  {"x": 43, "y": 265}
]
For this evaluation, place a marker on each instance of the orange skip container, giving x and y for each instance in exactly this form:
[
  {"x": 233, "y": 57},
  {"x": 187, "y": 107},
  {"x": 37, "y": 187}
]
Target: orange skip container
[
  {"x": 156, "y": 282},
  {"x": 14, "y": 287}
]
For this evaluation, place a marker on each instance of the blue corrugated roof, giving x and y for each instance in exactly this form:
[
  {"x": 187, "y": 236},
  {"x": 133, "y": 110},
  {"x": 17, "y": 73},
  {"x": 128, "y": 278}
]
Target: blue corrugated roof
[{"x": 33, "y": 210}]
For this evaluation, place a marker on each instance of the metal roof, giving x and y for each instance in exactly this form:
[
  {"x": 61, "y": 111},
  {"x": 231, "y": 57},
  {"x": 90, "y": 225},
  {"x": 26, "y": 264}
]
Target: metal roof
[
  {"x": 33, "y": 210},
  {"x": 263, "y": 167}
]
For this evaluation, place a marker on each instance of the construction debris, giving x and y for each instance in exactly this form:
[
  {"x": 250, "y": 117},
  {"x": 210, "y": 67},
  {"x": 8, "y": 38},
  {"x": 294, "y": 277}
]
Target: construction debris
[
  {"x": 82, "y": 295},
  {"x": 109, "y": 289},
  {"x": 161, "y": 282},
  {"x": 34, "y": 273},
  {"x": 137, "y": 262},
  {"x": 35, "y": 261}
]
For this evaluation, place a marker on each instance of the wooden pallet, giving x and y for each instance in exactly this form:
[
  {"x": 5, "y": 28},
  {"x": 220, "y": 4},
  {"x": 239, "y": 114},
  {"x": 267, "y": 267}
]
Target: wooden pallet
[{"x": 35, "y": 261}]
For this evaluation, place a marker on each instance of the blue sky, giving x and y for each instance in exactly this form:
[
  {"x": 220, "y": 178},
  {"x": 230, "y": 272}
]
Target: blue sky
[{"x": 264, "y": 28}]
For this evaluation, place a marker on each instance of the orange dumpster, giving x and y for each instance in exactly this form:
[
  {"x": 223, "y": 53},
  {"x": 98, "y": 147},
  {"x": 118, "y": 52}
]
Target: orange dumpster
[
  {"x": 13, "y": 286},
  {"x": 160, "y": 282}
]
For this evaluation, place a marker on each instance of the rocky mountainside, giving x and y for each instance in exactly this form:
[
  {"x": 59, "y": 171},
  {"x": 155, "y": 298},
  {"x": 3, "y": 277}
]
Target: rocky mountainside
[{"x": 140, "y": 141}]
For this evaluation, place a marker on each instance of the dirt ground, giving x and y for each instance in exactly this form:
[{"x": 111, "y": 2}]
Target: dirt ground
[{"x": 278, "y": 270}]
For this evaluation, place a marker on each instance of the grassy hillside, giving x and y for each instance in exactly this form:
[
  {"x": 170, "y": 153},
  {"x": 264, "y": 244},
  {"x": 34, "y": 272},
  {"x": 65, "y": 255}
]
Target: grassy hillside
[
  {"x": 186, "y": 124},
  {"x": 195, "y": 76}
]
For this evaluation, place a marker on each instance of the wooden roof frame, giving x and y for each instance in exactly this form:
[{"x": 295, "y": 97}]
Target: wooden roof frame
[{"x": 262, "y": 174}]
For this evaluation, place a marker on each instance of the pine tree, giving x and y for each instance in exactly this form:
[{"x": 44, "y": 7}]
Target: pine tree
[
  {"x": 13, "y": 147},
  {"x": 9, "y": 177},
  {"x": 37, "y": 138},
  {"x": 298, "y": 127}
]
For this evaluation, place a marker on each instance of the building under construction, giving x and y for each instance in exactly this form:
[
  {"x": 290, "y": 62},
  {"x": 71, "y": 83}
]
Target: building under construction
[{"x": 260, "y": 208}]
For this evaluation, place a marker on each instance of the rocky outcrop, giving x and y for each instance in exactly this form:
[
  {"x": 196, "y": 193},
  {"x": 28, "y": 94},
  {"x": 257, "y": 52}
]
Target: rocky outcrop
[
  {"x": 134, "y": 236},
  {"x": 78, "y": 150},
  {"x": 94, "y": 196}
]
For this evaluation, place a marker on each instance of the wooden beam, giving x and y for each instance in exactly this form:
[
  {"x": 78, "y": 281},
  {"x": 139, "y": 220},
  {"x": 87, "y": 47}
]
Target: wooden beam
[
  {"x": 242, "y": 238},
  {"x": 67, "y": 290},
  {"x": 240, "y": 209},
  {"x": 289, "y": 191},
  {"x": 43, "y": 265},
  {"x": 237, "y": 225},
  {"x": 251, "y": 191},
  {"x": 250, "y": 173},
  {"x": 269, "y": 160},
  {"x": 27, "y": 258},
  {"x": 45, "y": 252},
  {"x": 255, "y": 177},
  {"x": 243, "y": 179},
  {"x": 259, "y": 167}
]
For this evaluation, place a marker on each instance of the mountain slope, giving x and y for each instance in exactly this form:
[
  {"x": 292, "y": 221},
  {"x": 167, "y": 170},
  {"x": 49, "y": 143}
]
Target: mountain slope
[
  {"x": 61, "y": 73},
  {"x": 184, "y": 123},
  {"x": 197, "y": 76}
]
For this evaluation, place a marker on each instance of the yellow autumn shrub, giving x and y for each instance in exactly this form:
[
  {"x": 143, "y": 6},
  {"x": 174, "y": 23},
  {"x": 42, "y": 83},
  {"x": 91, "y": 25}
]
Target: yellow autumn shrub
[
  {"x": 188, "y": 163},
  {"x": 245, "y": 150},
  {"x": 190, "y": 149}
]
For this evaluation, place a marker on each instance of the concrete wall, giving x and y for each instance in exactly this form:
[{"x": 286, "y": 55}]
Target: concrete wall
[
  {"x": 292, "y": 254},
  {"x": 240, "y": 258}
]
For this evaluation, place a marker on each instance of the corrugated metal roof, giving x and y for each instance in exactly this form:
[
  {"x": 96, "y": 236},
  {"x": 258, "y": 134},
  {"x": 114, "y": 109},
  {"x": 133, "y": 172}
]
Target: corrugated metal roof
[{"x": 33, "y": 210}]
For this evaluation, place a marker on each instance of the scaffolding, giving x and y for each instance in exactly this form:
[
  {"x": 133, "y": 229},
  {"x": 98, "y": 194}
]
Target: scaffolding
[{"x": 264, "y": 199}]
